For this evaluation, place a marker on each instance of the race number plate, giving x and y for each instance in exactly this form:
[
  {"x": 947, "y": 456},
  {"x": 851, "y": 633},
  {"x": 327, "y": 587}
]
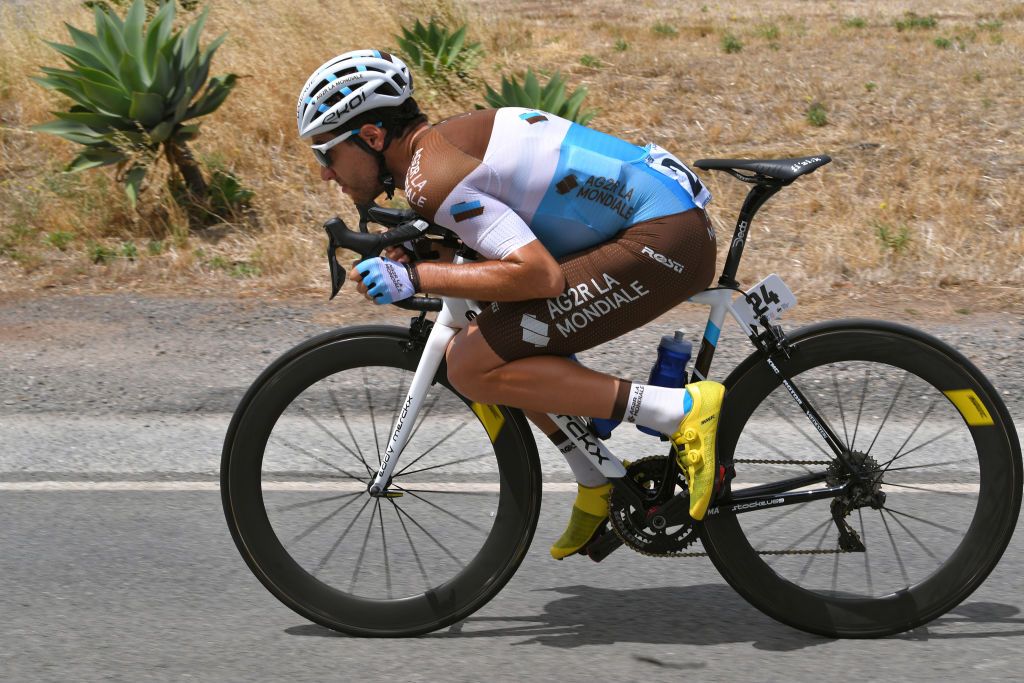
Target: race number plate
[{"x": 770, "y": 297}]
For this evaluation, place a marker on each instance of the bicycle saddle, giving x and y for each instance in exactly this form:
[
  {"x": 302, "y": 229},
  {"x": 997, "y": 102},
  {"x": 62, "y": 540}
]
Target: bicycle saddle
[{"x": 782, "y": 170}]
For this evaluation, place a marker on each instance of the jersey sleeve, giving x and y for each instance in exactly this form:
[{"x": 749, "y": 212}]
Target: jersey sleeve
[
  {"x": 486, "y": 224},
  {"x": 456, "y": 190}
]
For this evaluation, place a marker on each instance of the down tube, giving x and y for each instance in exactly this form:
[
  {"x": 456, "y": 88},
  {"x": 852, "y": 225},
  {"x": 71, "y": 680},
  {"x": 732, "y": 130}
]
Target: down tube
[{"x": 430, "y": 361}]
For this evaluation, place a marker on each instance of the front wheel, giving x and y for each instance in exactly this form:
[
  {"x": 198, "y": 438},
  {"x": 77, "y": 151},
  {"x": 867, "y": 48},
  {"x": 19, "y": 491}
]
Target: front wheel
[
  {"x": 305, "y": 444},
  {"x": 934, "y": 514}
]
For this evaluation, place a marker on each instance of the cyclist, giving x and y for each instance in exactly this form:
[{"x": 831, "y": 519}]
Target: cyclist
[{"x": 586, "y": 237}]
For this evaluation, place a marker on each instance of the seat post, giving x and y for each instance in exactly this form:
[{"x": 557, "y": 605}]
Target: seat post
[{"x": 758, "y": 195}]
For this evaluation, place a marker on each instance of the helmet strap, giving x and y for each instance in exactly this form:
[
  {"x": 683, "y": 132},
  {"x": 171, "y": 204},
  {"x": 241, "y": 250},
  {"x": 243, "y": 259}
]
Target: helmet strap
[{"x": 384, "y": 175}]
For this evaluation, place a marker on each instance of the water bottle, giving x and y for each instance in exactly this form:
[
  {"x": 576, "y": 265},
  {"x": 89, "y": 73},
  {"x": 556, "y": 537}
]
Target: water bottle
[
  {"x": 669, "y": 371},
  {"x": 670, "y": 368}
]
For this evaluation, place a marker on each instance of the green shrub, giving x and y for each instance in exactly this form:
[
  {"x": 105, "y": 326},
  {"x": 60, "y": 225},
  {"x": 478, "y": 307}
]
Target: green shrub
[
  {"x": 134, "y": 87},
  {"x": 870, "y": 86},
  {"x": 912, "y": 20},
  {"x": 591, "y": 61},
  {"x": 59, "y": 239},
  {"x": 436, "y": 52},
  {"x": 665, "y": 30},
  {"x": 894, "y": 238},
  {"x": 99, "y": 253},
  {"x": 129, "y": 251},
  {"x": 621, "y": 45},
  {"x": 943, "y": 43},
  {"x": 228, "y": 197},
  {"x": 155, "y": 247},
  {"x": 855, "y": 22},
  {"x": 769, "y": 32},
  {"x": 731, "y": 44},
  {"x": 530, "y": 94},
  {"x": 816, "y": 115}
]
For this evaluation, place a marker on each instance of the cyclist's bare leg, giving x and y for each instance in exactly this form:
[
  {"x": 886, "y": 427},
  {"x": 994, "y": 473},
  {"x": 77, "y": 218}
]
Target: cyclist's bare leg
[{"x": 542, "y": 384}]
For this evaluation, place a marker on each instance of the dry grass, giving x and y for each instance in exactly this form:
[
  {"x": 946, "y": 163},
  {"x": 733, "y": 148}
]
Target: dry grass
[{"x": 926, "y": 190}]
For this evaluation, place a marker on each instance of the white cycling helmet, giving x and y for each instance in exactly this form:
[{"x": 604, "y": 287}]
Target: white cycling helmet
[{"x": 349, "y": 85}]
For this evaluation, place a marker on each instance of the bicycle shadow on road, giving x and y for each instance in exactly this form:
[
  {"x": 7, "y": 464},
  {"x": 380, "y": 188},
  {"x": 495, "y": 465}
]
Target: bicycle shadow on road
[{"x": 711, "y": 614}]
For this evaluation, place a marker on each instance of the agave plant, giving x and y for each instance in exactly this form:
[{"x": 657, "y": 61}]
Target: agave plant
[
  {"x": 550, "y": 98},
  {"x": 437, "y": 53},
  {"x": 135, "y": 86}
]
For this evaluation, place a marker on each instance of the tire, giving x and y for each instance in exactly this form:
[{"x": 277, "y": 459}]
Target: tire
[
  {"x": 952, "y": 494},
  {"x": 299, "y": 457}
]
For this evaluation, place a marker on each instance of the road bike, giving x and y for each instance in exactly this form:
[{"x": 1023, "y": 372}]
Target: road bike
[{"x": 871, "y": 474}]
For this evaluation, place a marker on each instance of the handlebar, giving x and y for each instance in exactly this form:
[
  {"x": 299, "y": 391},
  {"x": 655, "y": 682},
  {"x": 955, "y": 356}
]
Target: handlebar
[{"x": 404, "y": 226}]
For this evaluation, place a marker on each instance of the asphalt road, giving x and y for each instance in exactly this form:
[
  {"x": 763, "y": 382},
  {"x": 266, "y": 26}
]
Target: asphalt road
[{"x": 117, "y": 563}]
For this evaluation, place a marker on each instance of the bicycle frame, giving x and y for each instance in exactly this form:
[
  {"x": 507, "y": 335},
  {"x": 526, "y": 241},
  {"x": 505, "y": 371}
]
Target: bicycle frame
[{"x": 456, "y": 313}]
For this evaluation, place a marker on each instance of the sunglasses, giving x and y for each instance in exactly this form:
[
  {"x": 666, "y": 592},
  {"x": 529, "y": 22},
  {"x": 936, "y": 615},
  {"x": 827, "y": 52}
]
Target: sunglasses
[{"x": 321, "y": 151}]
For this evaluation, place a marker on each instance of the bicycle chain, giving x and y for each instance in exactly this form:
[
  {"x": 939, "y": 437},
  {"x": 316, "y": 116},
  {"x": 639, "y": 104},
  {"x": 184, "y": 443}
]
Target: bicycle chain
[{"x": 746, "y": 461}]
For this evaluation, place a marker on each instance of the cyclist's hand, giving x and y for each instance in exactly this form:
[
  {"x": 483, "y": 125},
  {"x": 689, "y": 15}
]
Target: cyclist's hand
[
  {"x": 383, "y": 281},
  {"x": 397, "y": 253}
]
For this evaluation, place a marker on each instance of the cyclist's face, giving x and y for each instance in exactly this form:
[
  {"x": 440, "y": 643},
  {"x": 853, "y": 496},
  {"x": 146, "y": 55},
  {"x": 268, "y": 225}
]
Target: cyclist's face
[{"x": 352, "y": 169}]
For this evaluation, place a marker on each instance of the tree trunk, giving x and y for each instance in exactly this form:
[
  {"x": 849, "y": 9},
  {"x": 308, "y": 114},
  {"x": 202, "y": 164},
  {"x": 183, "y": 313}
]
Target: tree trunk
[{"x": 181, "y": 157}]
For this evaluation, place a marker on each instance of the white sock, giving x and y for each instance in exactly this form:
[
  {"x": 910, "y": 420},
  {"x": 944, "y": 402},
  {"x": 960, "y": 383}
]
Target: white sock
[
  {"x": 656, "y": 407},
  {"x": 582, "y": 468}
]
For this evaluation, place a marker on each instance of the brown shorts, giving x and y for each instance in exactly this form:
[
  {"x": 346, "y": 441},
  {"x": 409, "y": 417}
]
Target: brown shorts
[{"x": 611, "y": 288}]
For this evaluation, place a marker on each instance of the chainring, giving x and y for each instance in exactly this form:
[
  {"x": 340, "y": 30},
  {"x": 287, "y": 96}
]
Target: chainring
[{"x": 630, "y": 525}]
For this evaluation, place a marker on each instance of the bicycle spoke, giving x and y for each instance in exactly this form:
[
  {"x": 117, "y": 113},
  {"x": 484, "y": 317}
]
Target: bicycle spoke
[
  {"x": 867, "y": 563},
  {"x": 895, "y": 549},
  {"x": 412, "y": 546},
  {"x": 373, "y": 419},
  {"x": 337, "y": 543},
  {"x": 332, "y": 436},
  {"x": 888, "y": 412},
  {"x": 899, "y": 450},
  {"x": 429, "y": 535},
  {"x": 860, "y": 408},
  {"x": 362, "y": 550},
  {"x": 453, "y": 462},
  {"x": 909, "y": 533},
  {"x": 923, "y": 521},
  {"x": 316, "y": 525},
  {"x": 839, "y": 399},
  {"x": 959, "y": 494},
  {"x": 809, "y": 534},
  {"x": 318, "y": 458},
  {"x": 307, "y": 503},
  {"x": 925, "y": 466},
  {"x": 423, "y": 418},
  {"x": 420, "y": 457},
  {"x": 348, "y": 428},
  {"x": 447, "y": 512},
  {"x": 774, "y": 520},
  {"x": 384, "y": 543},
  {"x": 812, "y": 557},
  {"x": 817, "y": 445},
  {"x": 453, "y": 493},
  {"x": 929, "y": 441}
]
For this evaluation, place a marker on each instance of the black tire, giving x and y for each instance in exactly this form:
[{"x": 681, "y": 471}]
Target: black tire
[
  {"x": 298, "y": 445},
  {"x": 918, "y": 565}
]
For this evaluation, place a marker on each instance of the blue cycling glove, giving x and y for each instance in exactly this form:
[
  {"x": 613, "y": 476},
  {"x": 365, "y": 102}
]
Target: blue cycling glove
[{"x": 386, "y": 281}]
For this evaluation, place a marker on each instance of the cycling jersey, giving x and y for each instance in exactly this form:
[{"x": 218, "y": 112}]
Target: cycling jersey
[{"x": 501, "y": 178}]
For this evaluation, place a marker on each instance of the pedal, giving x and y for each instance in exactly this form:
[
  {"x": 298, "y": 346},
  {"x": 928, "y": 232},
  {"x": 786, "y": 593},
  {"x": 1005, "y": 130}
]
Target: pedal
[{"x": 603, "y": 546}]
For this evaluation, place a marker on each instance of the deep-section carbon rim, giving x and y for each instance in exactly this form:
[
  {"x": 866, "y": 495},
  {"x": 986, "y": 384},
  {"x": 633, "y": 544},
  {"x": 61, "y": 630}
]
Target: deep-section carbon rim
[
  {"x": 952, "y": 488},
  {"x": 301, "y": 454}
]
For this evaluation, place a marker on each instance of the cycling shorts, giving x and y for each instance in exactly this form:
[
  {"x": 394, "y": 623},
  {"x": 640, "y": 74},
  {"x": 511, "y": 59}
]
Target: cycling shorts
[{"x": 611, "y": 288}]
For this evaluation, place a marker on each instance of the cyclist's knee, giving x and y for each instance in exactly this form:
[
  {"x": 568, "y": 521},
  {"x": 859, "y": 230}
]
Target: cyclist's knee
[{"x": 469, "y": 359}]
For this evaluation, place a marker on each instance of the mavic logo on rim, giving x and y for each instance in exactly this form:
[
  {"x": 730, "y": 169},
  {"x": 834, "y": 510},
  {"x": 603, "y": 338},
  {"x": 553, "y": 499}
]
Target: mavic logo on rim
[{"x": 534, "y": 331}]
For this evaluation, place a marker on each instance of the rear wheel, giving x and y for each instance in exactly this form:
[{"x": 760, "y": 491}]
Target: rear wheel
[
  {"x": 944, "y": 456},
  {"x": 304, "y": 446}
]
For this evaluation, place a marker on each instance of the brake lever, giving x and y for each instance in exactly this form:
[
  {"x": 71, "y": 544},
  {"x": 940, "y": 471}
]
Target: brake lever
[{"x": 333, "y": 244}]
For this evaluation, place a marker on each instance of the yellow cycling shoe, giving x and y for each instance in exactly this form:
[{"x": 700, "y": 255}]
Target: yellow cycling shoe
[
  {"x": 588, "y": 513},
  {"x": 695, "y": 444}
]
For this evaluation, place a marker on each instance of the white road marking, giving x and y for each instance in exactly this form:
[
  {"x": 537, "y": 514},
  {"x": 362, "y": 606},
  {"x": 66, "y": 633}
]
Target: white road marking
[{"x": 454, "y": 487}]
